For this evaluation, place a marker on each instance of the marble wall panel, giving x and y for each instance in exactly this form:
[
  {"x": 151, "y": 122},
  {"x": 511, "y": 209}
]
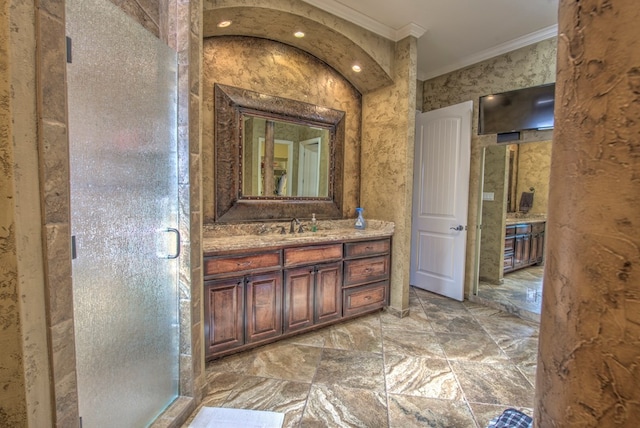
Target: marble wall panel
[
  {"x": 529, "y": 66},
  {"x": 276, "y": 69}
]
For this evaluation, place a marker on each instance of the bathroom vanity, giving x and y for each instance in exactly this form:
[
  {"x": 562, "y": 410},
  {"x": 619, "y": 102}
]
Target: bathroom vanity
[
  {"x": 264, "y": 286},
  {"x": 523, "y": 244}
]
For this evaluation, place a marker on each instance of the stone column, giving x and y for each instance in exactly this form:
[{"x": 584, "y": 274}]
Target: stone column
[{"x": 589, "y": 354}]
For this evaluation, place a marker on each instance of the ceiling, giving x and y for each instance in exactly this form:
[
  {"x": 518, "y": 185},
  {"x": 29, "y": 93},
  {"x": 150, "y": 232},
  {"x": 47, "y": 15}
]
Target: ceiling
[{"x": 452, "y": 33}]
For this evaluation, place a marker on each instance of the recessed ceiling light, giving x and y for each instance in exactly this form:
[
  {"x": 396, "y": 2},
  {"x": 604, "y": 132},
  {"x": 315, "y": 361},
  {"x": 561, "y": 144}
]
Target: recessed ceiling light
[
  {"x": 356, "y": 68},
  {"x": 223, "y": 24},
  {"x": 299, "y": 34}
]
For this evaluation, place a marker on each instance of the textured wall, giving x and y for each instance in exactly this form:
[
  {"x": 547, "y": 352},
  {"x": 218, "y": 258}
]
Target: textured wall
[
  {"x": 528, "y": 66},
  {"x": 534, "y": 164},
  {"x": 12, "y": 381},
  {"x": 329, "y": 38},
  {"x": 589, "y": 351},
  {"x": 387, "y": 163},
  {"x": 496, "y": 163},
  {"x": 275, "y": 69}
]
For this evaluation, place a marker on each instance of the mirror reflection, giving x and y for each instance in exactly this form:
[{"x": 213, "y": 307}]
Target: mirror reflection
[
  {"x": 511, "y": 255},
  {"x": 284, "y": 159}
]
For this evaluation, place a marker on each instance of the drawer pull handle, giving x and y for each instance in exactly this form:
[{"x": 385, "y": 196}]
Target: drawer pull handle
[
  {"x": 367, "y": 297},
  {"x": 244, "y": 264},
  {"x": 368, "y": 270},
  {"x": 368, "y": 248}
]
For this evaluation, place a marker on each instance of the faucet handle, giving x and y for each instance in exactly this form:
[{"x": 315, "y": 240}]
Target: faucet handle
[{"x": 301, "y": 229}]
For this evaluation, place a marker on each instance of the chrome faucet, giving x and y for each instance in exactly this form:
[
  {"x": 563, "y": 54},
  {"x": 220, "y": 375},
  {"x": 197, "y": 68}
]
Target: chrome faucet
[{"x": 294, "y": 222}]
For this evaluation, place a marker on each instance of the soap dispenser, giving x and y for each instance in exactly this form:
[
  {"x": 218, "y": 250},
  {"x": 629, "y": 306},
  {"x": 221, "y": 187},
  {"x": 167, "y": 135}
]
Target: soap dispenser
[
  {"x": 314, "y": 223},
  {"x": 360, "y": 223}
]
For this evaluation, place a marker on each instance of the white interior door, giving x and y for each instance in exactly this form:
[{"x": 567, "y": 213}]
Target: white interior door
[
  {"x": 440, "y": 199},
  {"x": 309, "y": 168}
]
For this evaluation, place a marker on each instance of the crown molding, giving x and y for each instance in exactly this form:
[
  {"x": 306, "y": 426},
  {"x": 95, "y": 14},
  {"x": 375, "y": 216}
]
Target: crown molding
[
  {"x": 411, "y": 29},
  {"x": 503, "y": 48},
  {"x": 351, "y": 15}
]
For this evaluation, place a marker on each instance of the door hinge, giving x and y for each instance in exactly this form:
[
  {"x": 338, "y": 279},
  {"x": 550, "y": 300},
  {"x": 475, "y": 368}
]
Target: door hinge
[
  {"x": 69, "y": 50},
  {"x": 80, "y": 421}
]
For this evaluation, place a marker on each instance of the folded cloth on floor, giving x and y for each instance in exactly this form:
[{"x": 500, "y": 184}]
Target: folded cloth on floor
[{"x": 511, "y": 418}]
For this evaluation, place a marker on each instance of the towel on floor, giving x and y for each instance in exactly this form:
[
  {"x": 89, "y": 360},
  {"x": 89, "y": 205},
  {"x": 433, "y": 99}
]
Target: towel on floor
[
  {"x": 526, "y": 201},
  {"x": 511, "y": 418}
]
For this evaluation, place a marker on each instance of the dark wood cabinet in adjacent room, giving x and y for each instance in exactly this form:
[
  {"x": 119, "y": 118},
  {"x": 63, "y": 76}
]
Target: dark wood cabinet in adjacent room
[{"x": 523, "y": 245}]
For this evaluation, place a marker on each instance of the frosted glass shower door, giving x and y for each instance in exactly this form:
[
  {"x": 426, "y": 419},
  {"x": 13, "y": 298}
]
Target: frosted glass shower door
[{"x": 123, "y": 154}]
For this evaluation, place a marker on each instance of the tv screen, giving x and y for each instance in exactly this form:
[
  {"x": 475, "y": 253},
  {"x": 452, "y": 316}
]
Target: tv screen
[{"x": 519, "y": 110}]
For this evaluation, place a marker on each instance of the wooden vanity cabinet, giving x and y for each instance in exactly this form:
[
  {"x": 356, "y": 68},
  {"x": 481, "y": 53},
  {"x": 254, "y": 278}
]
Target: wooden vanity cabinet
[
  {"x": 255, "y": 297},
  {"x": 313, "y": 291},
  {"x": 367, "y": 269},
  {"x": 313, "y": 295},
  {"x": 263, "y": 311},
  {"x": 523, "y": 245},
  {"x": 224, "y": 314},
  {"x": 242, "y": 299}
]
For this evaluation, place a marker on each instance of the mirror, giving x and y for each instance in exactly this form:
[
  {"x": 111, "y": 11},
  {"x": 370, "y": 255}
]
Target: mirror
[
  {"x": 508, "y": 171},
  {"x": 284, "y": 159},
  {"x": 275, "y": 158}
]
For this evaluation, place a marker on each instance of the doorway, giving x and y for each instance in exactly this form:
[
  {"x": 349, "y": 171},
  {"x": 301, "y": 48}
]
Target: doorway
[
  {"x": 122, "y": 86},
  {"x": 511, "y": 254}
]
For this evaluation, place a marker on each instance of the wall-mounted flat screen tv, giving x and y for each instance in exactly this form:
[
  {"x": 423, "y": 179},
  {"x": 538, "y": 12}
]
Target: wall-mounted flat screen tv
[{"x": 519, "y": 110}]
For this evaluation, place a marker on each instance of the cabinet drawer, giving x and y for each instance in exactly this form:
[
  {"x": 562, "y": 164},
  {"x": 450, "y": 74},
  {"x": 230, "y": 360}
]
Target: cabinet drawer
[
  {"x": 510, "y": 231},
  {"x": 361, "y": 271},
  {"x": 508, "y": 262},
  {"x": 242, "y": 263},
  {"x": 509, "y": 245},
  {"x": 365, "y": 298},
  {"x": 537, "y": 227},
  {"x": 369, "y": 248},
  {"x": 522, "y": 229},
  {"x": 311, "y": 255}
]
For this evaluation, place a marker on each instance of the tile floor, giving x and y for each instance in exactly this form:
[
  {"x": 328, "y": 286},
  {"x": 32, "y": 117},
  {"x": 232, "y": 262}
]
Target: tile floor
[
  {"x": 449, "y": 364},
  {"x": 520, "y": 294}
]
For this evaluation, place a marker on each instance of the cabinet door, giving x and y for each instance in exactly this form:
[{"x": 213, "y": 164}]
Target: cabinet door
[
  {"x": 518, "y": 256},
  {"x": 264, "y": 306},
  {"x": 540, "y": 250},
  {"x": 328, "y": 293},
  {"x": 533, "y": 255},
  {"x": 224, "y": 314},
  {"x": 298, "y": 298}
]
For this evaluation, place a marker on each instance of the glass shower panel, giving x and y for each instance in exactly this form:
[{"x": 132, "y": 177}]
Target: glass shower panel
[{"x": 123, "y": 153}]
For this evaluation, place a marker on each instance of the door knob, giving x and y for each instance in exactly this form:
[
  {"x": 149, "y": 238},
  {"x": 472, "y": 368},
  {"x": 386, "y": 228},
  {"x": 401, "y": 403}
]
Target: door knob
[{"x": 459, "y": 228}]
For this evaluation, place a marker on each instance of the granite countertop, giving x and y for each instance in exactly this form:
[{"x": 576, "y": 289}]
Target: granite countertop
[
  {"x": 524, "y": 220},
  {"x": 223, "y": 238}
]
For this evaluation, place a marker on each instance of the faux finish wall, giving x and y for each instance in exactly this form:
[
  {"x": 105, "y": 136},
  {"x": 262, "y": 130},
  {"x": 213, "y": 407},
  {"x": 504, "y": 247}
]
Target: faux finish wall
[
  {"x": 273, "y": 68},
  {"x": 534, "y": 163},
  {"x": 12, "y": 388},
  {"x": 529, "y": 66},
  {"x": 493, "y": 214}
]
